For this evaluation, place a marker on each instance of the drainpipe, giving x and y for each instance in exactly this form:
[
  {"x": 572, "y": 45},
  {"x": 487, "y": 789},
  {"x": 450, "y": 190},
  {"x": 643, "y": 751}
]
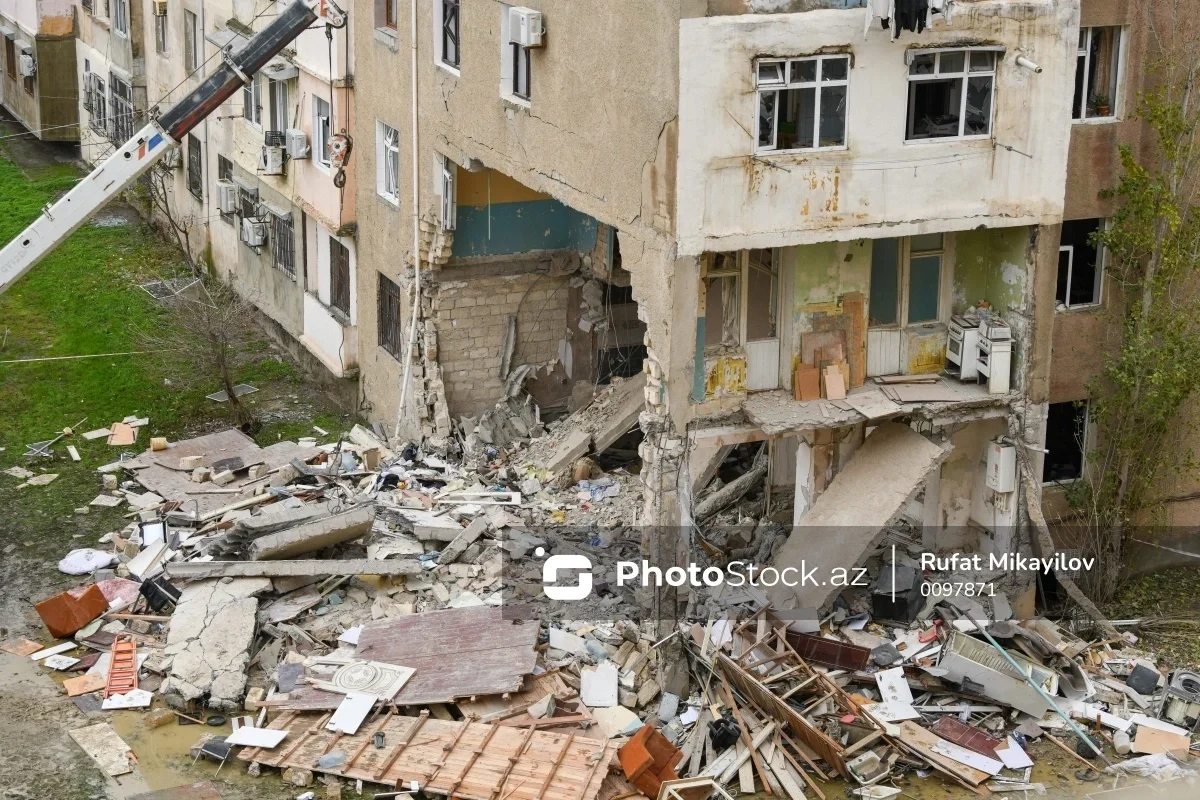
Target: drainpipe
[{"x": 416, "y": 217}]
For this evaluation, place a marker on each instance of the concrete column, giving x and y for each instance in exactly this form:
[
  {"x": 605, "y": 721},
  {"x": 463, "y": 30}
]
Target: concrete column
[{"x": 804, "y": 480}]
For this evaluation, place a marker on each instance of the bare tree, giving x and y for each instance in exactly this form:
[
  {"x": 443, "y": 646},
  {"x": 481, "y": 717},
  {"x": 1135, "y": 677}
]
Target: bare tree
[
  {"x": 160, "y": 183},
  {"x": 200, "y": 335}
]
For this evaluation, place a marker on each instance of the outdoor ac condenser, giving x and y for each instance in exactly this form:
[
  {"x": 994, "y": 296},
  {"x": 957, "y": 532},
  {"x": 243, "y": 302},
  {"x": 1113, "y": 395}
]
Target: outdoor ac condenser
[
  {"x": 227, "y": 197},
  {"x": 525, "y": 27},
  {"x": 254, "y": 233},
  {"x": 28, "y": 66},
  {"x": 271, "y": 162},
  {"x": 297, "y": 144}
]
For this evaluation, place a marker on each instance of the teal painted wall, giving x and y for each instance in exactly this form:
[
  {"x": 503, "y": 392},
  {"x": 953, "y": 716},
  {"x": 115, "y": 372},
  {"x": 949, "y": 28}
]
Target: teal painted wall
[{"x": 521, "y": 227}]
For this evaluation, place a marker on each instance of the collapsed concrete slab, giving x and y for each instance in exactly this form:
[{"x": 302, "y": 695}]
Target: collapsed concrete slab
[
  {"x": 309, "y": 537},
  {"x": 844, "y": 522},
  {"x": 209, "y": 639},
  {"x": 292, "y": 569}
]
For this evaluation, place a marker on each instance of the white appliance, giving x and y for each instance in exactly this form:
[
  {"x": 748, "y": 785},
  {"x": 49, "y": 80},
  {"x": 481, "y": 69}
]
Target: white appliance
[
  {"x": 1001, "y": 467},
  {"x": 525, "y": 27},
  {"x": 271, "y": 162},
  {"x": 226, "y": 197},
  {"x": 254, "y": 233},
  {"x": 27, "y": 65},
  {"x": 962, "y": 348},
  {"x": 995, "y": 354},
  {"x": 297, "y": 143}
]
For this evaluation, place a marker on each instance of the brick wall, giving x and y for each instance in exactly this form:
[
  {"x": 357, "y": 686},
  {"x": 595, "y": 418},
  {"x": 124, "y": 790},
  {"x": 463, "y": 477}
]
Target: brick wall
[{"x": 471, "y": 318}]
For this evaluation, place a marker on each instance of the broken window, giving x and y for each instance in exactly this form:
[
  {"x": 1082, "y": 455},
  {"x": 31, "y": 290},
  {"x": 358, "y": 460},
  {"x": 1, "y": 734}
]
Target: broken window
[
  {"x": 722, "y": 302},
  {"x": 950, "y": 93},
  {"x": 906, "y": 280},
  {"x": 339, "y": 276},
  {"x": 1066, "y": 433},
  {"x": 1097, "y": 64},
  {"x": 762, "y": 296},
  {"x": 802, "y": 103},
  {"x": 390, "y": 338},
  {"x": 387, "y": 163},
  {"x": 283, "y": 244},
  {"x": 122, "y": 110},
  {"x": 449, "y": 173},
  {"x": 195, "y": 167},
  {"x": 447, "y": 26},
  {"x": 1080, "y": 264}
]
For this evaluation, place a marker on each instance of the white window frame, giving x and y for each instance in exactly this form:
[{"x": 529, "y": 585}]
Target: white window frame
[
  {"x": 191, "y": 41},
  {"x": 120, "y": 18},
  {"x": 1101, "y": 257},
  {"x": 322, "y": 132},
  {"x": 162, "y": 35},
  {"x": 905, "y": 255},
  {"x": 1085, "y": 50},
  {"x": 277, "y": 93},
  {"x": 783, "y": 82},
  {"x": 383, "y": 151},
  {"x": 964, "y": 76},
  {"x": 1084, "y": 446},
  {"x": 439, "y": 54},
  {"x": 252, "y": 102},
  {"x": 508, "y": 51},
  {"x": 448, "y": 191}
]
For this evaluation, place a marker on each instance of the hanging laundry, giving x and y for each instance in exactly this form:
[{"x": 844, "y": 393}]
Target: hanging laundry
[
  {"x": 882, "y": 10},
  {"x": 910, "y": 16}
]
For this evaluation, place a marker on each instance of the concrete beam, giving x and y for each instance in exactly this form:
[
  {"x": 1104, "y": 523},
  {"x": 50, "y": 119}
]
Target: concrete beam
[
  {"x": 309, "y": 537},
  {"x": 289, "y": 569}
]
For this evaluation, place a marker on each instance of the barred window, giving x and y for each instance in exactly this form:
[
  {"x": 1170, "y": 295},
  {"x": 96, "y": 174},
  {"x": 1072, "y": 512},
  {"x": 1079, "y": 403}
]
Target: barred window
[
  {"x": 283, "y": 244},
  {"x": 339, "y": 276},
  {"x": 390, "y": 334},
  {"x": 122, "y": 110},
  {"x": 195, "y": 168},
  {"x": 248, "y": 203}
]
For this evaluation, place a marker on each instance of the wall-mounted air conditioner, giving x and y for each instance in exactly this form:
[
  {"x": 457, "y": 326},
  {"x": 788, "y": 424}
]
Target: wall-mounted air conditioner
[
  {"x": 227, "y": 197},
  {"x": 160, "y": 8},
  {"x": 27, "y": 66},
  {"x": 271, "y": 161},
  {"x": 297, "y": 144},
  {"x": 525, "y": 27},
  {"x": 254, "y": 232}
]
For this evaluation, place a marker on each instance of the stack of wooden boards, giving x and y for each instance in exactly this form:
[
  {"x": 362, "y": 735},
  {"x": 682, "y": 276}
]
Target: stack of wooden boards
[{"x": 833, "y": 353}]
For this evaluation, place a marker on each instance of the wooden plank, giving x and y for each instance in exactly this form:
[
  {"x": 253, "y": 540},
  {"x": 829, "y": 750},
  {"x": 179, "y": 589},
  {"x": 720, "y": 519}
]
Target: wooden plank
[{"x": 923, "y": 742}]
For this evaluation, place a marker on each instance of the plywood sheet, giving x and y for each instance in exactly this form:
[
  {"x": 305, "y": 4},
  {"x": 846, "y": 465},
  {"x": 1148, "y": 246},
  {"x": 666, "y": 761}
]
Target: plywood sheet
[
  {"x": 105, "y": 747},
  {"x": 471, "y": 761},
  {"x": 924, "y": 742}
]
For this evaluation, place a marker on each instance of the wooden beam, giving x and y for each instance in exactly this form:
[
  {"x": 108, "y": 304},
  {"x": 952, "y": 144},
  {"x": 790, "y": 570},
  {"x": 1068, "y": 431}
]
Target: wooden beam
[{"x": 737, "y": 712}]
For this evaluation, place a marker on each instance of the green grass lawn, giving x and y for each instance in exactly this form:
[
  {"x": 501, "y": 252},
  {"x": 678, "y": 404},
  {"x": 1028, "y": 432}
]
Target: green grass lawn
[{"x": 84, "y": 298}]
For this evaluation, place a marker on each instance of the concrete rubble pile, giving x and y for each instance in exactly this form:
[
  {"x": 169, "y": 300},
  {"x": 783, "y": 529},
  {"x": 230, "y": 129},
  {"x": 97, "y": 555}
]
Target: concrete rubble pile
[{"x": 345, "y": 612}]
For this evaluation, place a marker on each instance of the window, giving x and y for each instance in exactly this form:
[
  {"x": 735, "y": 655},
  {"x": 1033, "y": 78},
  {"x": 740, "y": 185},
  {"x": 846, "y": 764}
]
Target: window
[
  {"x": 247, "y": 202},
  {"x": 339, "y": 276},
  {"x": 99, "y": 121},
  {"x": 387, "y": 163},
  {"x": 278, "y": 94},
  {"x": 87, "y": 5},
  {"x": 191, "y": 42},
  {"x": 802, "y": 103},
  {"x": 950, "y": 93},
  {"x": 195, "y": 167},
  {"x": 447, "y": 16},
  {"x": 28, "y": 84},
  {"x": 449, "y": 173},
  {"x": 391, "y": 336},
  {"x": 87, "y": 85},
  {"x": 161, "y": 34},
  {"x": 722, "y": 302},
  {"x": 121, "y": 110},
  {"x": 515, "y": 72},
  {"x": 283, "y": 244},
  {"x": 1080, "y": 264},
  {"x": 252, "y": 101},
  {"x": 1066, "y": 433},
  {"x": 225, "y": 174},
  {"x": 321, "y": 132},
  {"x": 906, "y": 280},
  {"x": 1097, "y": 63},
  {"x": 10, "y": 58},
  {"x": 387, "y": 18},
  {"x": 120, "y": 17}
]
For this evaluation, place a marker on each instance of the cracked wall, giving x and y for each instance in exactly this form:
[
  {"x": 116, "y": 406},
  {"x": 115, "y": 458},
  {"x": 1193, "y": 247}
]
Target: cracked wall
[{"x": 730, "y": 198}]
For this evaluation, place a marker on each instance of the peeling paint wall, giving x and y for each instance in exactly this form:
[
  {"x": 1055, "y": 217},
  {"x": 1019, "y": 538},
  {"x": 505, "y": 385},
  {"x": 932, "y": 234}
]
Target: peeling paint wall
[
  {"x": 732, "y": 199},
  {"x": 991, "y": 265}
]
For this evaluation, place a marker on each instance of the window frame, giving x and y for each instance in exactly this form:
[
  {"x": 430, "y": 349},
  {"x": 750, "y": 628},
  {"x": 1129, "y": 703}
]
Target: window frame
[
  {"x": 1048, "y": 483},
  {"x": 904, "y": 256},
  {"x": 738, "y": 273},
  {"x": 1098, "y": 288},
  {"x": 389, "y": 309},
  {"x": 442, "y": 32},
  {"x": 252, "y": 102},
  {"x": 120, "y": 18},
  {"x": 510, "y": 65},
  {"x": 10, "y": 58},
  {"x": 191, "y": 42},
  {"x": 194, "y": 176},
  {"x": 322, "y": 133},
  {"x": 162, "y": 34},
  {"x": 1086, "y": 52},
  {"x": 121, "y": 110},
  {"x": 448, "y": 191},
  {"x": 382, "y": 152},
  {"x": 339, "y": 277},
  {"x": 390, "y": 14},
  {"x": 225, "y": 173},
  {"x": 277, "y": 102},
  {"x": 283, "y": 243},
  {"x": 964, "y": 76},
  {"x": 99, "y": 116},
  {"x": 785, "y": 84}
]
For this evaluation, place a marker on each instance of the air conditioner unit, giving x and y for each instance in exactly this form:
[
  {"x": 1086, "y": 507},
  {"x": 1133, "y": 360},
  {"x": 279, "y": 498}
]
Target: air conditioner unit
[
  {"x": 160, "y": 8},
  {"x": 297, "y": 144},
  {"x": 525, "y": 27},
  {"x": 172, "y": 159},
  {"x": 254, "y": 233},
  {"x": 28, "y": 66},
  {"x": 271, "y": 162},
  {"x": 227, "y": 197}
]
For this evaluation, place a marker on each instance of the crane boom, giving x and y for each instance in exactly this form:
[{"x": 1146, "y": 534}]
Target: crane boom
[{"x": 151, "y": 143}]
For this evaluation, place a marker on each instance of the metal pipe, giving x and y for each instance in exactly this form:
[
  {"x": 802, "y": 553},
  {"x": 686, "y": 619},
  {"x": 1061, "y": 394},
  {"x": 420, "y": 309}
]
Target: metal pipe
[
  {"x": 1022, "y": 61},
  {"x": 416, "y": 220}
]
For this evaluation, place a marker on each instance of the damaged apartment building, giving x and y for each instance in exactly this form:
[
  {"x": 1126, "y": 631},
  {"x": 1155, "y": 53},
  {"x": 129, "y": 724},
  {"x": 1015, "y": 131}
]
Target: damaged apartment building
[{"x": 798, "y": 226}]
